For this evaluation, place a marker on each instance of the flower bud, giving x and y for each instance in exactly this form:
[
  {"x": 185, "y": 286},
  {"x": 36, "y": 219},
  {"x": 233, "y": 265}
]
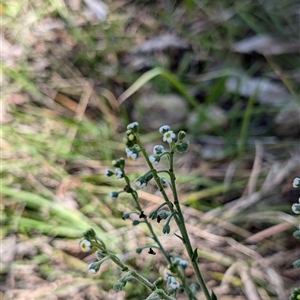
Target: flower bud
[
  {"x": 126, "y": 215},
  {"x": 163, "y": 129},
  {"x": 94, "y": 267},
  {"x": 296, "y": 182},
  {"x": 181, "y": 135},
  {"x": 119, "y": 285},
  {"x": 182, "y": 146},
  {"x": 166, "y": 229},
  {"x": 136, "y": 222},
  {"x": 133, "y": 126},
  {"x": 296, "y": 208},
  {"x": 113, "y": 194},
  {"x": 153, "y": 215},
  {"x": 108, "y": 173},
  {"x": 158, "y": 149}
]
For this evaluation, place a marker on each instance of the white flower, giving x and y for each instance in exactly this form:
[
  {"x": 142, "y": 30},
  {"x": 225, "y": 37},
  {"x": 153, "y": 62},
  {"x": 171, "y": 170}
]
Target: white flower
[
  {"x": 174, "y": 284},
  {"x": 92, "y": 269},
  {"x": 119, "y": 173},
  {"x": 85, "y": 245},
  {"x": 131, "y": 155},
  {"x": 296, "y": 182},
  {"x": 164, "y": 129},
  {"x": 183, "y": 263},
  {"x": 169, "y": 136},
  {"x": 132, "y": 125},
  {"x": 296, "y": 208},
  {"x": 140, "y": 183},
  {"x": 158, "y": 149},
  {"x": 153, "y": 159}
]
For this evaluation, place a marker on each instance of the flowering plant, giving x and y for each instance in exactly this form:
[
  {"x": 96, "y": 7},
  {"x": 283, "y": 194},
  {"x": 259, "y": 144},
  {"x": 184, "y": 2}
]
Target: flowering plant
[{"x": 175, "y": 276}]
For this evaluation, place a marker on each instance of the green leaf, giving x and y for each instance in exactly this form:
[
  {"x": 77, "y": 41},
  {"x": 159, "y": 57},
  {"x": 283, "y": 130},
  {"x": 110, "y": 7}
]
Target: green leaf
[
  {"x": 213, "y": 296},
  {"x": 179, "y": 237},
  {"x": 195, "y": 255}
]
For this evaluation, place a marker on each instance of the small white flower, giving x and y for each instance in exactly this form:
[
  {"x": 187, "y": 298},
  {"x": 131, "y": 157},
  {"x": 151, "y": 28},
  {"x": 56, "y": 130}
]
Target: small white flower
[
  {"x": 132, "y": 155},
  {"x": 153, "y": 159},
  {"x": 174, "y": 284},
  {"x": 158, "y": 149},
  {"x": 296, "y": 208},
  {"x": 164, "y": 129},
  {"x": 183, "y": 263},
  {"x": 132, "y": 125},
  {"x": 296, "y": 182},
  {"x": 119, "y": 173},
  {"x": 140, "y": 184},
  {"x": 169, "y": 136},
  {"x": 85, "y": 245},
  {"x": 91, "y": 269}
]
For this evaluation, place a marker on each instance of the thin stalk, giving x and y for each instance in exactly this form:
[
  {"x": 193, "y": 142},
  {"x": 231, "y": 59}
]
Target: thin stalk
[
  {"x": 245, "y": 123},
  {"x": 167, "y": 200},
  {"x": 178, "y": 218},
  {"x": 154, "y": 236},
  {"x": 181, "y": 224},
  {"x": 139, "y": 277}
]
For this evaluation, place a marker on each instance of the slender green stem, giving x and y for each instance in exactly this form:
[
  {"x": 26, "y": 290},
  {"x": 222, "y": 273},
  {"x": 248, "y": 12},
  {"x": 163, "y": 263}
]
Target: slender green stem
[
  {"x": 181, "y": 224},
  {"x": 139, "y": 277},
  {"x": 178, "y": 218},
  {"x": 154, "y": 236}
]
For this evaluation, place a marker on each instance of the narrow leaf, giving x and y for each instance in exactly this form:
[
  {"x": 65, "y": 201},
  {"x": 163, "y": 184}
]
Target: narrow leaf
[
  {"x": 195, "y": 255},
  {"x": 213, "y": 296}
]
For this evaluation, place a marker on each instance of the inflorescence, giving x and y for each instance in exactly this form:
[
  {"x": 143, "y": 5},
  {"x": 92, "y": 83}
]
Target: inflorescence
[{"x": 174, "y": 278}]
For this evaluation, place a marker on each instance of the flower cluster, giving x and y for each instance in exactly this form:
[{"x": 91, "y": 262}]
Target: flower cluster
[
  {"x": 90, "y": 241},
  {"x": 172, "y": 283},
  {"x": 166, "y": 211},
  {"x": 168, "y": 134}
]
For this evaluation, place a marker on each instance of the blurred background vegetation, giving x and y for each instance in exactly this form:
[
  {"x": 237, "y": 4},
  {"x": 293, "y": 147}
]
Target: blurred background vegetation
[{"x": 76, "y": 72}]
